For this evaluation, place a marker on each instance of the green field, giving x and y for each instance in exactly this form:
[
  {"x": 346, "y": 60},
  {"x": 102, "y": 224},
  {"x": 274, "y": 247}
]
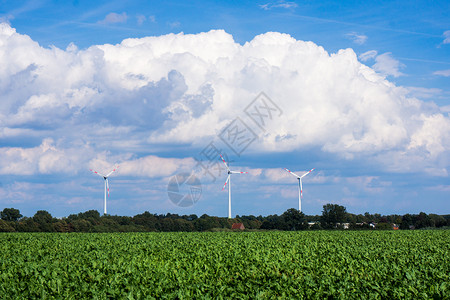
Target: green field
[{"x": 310, "y": 265}]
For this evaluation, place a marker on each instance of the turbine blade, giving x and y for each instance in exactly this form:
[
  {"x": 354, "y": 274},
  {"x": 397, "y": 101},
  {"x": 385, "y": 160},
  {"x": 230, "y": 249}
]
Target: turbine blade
[
  {"x": 224, "y": 162},
  {"x": 226, "y": 182},
  {"x": 307, "y": 173},
  {"x": 99, "y": 174},
  {"x": 107, "y": 186},
  {"x": 292, "y": 173},
  {"x": 238, "y": 172},
  {"x": 112, "y": 171}
]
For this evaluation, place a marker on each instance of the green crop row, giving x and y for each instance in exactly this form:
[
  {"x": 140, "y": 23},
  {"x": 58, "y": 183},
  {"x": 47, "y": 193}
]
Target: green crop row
[{"x": 309, "y": 265}]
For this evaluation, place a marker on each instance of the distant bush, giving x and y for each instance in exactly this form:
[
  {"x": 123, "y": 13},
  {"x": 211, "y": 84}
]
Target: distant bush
[
  {"x": 383, "y": 226},
  {"x": 5, "y": 227}
]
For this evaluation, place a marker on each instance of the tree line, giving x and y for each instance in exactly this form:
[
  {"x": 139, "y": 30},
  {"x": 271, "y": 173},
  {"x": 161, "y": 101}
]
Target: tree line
[{"x": 333, "y": 217}]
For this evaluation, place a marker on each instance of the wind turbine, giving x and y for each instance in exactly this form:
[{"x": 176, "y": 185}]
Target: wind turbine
[
  {"x": 105, "y": 177},
  {"x": 229, "y": 184},
  {"x": 300, "y": 188}
]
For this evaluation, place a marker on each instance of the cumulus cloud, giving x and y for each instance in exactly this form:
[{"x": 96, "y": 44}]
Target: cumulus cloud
[
  {"x": 388, "y": 65},
  {"x": 46, "y": 158},
  {"x": 50, "y": 157},
  {"x": 358, "y": 39},
  {"x": 184, "y": 88},
  {"x": 113, "y": 18},
  {"x": 384, "y": 63},
  {"x": 433, "y": 134}
]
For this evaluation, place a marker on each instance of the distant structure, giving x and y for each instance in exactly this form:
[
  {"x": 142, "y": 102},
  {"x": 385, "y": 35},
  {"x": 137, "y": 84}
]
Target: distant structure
[
  {"x": 105, "y": 177},
  {"x": 300, "y": 187},
  {"x": 239, "y": 226},
  {"x": 229, "y": 184}
]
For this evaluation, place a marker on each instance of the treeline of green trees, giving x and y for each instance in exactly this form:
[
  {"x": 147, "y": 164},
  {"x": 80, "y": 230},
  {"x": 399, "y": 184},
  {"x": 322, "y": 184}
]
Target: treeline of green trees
[{"x": 333, "y": 217}]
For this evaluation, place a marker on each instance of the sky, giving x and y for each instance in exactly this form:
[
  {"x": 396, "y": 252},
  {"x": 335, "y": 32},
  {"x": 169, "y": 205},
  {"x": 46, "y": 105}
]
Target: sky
[{"x": 357, "y": 90}]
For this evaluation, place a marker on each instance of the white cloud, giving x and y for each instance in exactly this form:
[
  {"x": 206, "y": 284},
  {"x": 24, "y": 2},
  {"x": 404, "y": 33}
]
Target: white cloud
[
  {"x": 153, "y": 166},
  {"x": 6, "y": 19},
  {"x": 424, "y": 93},
  {"x": 174, "y": 24},
  {"x": 384, "y": 63},
  {"x": 49, "y": 158},
  {"x": 18, "y": 192},
  {"x": 445, "y": 73},
  {"x": 371, "y": 54},
  {"x": 447, "y": 37},
  {"x": 370, "y": 184},
  {"x": 387, "y": 65},
  {"x": 358, "y": 39},
  {"x": 433, "y": 136},
  {"x": 141, "y": 19},
  {"x": 279, "y": 4},
  {"x": 445, "y": 108},
  {"x": 43, "y": 159},
  {"x": 437, "y": 172},
  {"x": 184, "y": 88},
  {"x": 113, "y": 18},
  {"x": 441, "y": 188}
]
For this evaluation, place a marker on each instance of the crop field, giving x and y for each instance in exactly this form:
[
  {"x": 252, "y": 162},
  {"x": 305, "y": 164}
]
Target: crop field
[{"x": 309, "y": 265}]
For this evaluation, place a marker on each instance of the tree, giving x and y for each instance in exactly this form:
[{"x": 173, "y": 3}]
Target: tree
[
  {"x": 27, "y": 225},
  {"x": 81, "y": 225},
  {"x": 407, "y": 221},
  {"x": 368, "y": 217},
  {"x": 439, "y": 221},
  {"x": 146, "y": 219},
  {"x": 10, "y": 214},
  {"x": 61, "y": 226},
  {"x": 44, "y": 219},
  {"x": 332, "y": 214},
  {"x": 191, "y": 217},
  {"x": 423, "y": 220},
  {"x": 383, "y": 226},
  {"x": 273, "y": 222},
  {"x": 42, "y": 216},
  {"x": 205, "y": 222},
  {"x": 90, "y": 214},
  {"x": 5, "y": 227},
  {"x": 294, "y": 219}
]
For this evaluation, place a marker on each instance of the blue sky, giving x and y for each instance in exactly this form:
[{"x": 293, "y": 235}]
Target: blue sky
[{"x": 358, "y": 90}]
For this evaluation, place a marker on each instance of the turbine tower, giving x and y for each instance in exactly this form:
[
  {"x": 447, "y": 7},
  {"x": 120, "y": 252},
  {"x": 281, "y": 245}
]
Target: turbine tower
[
  {"x": 105, "y": 177},
  {"x": 229, "y": 184},
  {"x": 300, "y": 188}
]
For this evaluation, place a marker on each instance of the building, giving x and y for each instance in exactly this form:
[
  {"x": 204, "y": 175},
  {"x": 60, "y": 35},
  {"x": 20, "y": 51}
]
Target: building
[{"x": 239, "y": 226}]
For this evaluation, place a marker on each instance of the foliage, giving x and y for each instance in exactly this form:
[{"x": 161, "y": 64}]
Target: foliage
[
  {"x": 332, "y": 215},
  {"x": 294, "y": 220},
  {"x": 384, "y": 226},
  {"x": 226, "y": 265},
  {"x": 5, "y": 227},
  {"x": 10, "y": 214}
]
